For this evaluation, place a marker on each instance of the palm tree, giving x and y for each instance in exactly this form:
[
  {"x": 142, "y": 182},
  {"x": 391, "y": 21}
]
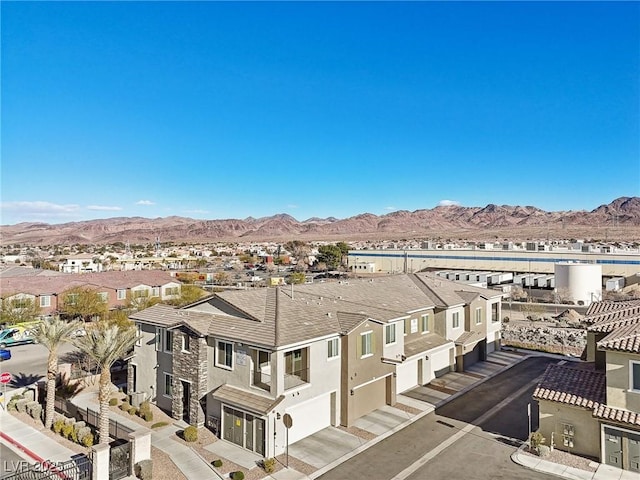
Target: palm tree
[
  {"x": 52, "y": 334},
  {"x": 105, "y": 344}
]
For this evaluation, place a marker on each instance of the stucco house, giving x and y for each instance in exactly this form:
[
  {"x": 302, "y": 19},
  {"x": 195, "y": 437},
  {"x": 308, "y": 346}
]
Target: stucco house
[
  {"x": 324, "y": 354},
  {"x": 592, "y": 408}
]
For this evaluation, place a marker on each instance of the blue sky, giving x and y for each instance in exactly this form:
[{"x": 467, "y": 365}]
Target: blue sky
[{"x": 229, "y": 110}]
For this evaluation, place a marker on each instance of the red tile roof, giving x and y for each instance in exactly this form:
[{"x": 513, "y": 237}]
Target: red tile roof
[
  {"x": 606, "y": 412},
  {"x": 581, "y": 387},
  {"x": 623, "y": 339}
]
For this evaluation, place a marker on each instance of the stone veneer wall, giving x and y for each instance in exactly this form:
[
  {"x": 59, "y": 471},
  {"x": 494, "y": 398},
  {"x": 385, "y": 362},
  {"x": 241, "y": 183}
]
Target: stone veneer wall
[
  {"x": 549, "y": 339},
  {"x": 192, "y": 367}
]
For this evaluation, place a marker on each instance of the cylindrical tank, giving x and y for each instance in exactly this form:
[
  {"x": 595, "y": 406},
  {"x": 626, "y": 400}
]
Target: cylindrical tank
[{"x": 578, "y": 282}]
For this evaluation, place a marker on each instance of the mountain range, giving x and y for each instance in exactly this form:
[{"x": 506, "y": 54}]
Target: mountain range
[{"x": 623, "y": 214}]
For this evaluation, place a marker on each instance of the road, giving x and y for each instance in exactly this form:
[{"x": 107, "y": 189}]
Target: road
[
  {"x": 28, "y": 363},
  {"x": 471, "y": 437},
  {"x": 11, "y": 461}
]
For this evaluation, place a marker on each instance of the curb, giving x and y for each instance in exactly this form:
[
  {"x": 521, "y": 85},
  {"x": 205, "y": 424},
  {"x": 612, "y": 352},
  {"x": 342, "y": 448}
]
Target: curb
[
  {"x": 413, "y": 419},
  {"x": 50, "y": 466}
]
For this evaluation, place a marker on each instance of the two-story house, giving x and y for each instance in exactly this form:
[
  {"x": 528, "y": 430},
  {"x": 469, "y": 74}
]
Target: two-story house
[
  {"x": 592, "y": 408},
  {"x": 323, "y": 354}
]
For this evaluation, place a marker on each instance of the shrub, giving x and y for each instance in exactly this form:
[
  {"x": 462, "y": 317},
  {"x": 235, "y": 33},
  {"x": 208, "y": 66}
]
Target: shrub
[
  {"x": 133, "y": 410},
  {"x": 159, "y": 424},
  {"x": 217, "y": 463},
  {"x": 36, "y": 411},
  {"x": 68, "y": 432},
  {"x": 145, "y": 406},
  {"x": 190, "y": 434},
  {"x": 87, "y": 440},
  {"x": 269, "y": 465},
  {"x": 82, "y": 433},
  {"x": 21, "y": 405},
  {"x": 543, "y": 450},
  {"x": 237, "y": 475},
  {"x": 57, "y": 425},
  {"x": 125, "y": 406},
  {"x": 143, "y": 469},
  {"x": 147, "y": 416},
  {"x": 30, "y": 406},
  {"x": 536, "y": 439},
  {"x": 113, "y": 402}
]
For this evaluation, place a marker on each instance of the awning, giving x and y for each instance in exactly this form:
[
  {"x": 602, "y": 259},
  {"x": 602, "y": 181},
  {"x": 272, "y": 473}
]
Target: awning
[{"x": 246, "y": 400}]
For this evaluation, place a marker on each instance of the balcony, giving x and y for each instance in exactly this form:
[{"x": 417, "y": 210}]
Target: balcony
[
  {"x": 261, "y": 380},
  {"x": 296, "y": 378}
]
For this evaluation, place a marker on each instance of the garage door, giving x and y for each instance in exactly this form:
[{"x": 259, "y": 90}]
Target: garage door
[
  {"x": 366, "y": 399},
  {"x": 472, "y": 357},
  {"x": 309, "y": 417},
  {"x": 407, "y": 376}
]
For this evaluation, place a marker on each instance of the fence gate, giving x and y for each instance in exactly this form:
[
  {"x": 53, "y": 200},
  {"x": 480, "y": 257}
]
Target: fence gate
[
  {"x": 119, "y": 460},
  {"x": 79, "y": 468}
]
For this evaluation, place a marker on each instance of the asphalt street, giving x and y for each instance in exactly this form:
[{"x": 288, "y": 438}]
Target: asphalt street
[
  {"x": 28, "y": 363},
  {"x": 486, "y": 424},
  {"x": 9, "y": 459}
]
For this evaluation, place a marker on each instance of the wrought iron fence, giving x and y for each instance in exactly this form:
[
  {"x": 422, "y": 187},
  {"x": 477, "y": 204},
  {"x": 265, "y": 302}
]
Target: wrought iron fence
[{"x": 92, "y": 417}]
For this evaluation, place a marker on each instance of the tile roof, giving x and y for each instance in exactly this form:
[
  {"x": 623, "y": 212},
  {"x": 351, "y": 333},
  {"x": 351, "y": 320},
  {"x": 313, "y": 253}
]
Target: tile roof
[
  {"x": 606, "y": 412},
  {"x": 623, "y": 339},
  {"x": 571, "y": 385},
  {"x": 469, "y": 338},
  {"x": 424, "y": 343},
  {"x": 246, "y": 400},
  {"x": 606, "y": 316}
]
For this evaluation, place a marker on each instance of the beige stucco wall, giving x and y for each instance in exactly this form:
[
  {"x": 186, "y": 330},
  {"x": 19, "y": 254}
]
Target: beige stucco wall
[
  {"x": 618, "y": 381},
  {"x": 587, "y": 429}
]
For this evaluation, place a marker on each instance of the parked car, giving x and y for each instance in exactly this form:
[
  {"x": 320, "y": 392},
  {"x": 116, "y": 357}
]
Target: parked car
[
  {"x": 5, "y": 354},
  {"x": 17, "y": 335}
]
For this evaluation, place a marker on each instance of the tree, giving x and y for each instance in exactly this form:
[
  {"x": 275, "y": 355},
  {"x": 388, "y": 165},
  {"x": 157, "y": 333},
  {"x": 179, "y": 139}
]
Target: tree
[
  {"x": 296, "y": 278},
  {"x": 188, "y": 294},
  {"x": 222, "y": 278},
  {"x": 83, "y": 302},
  {"x": 105, "y": 344},
  {"x": 140, "y": 299},
  {"x": 18, "y": 309},
  {"x": 331, "y": 255},
  {"x": 51, "y": 334}
]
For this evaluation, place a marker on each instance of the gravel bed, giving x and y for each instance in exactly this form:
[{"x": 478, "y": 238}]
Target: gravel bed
[
  {"x": 359, "y": 432},
  {"x": 407, "y": 408},
  {"x": 566, "y": 459},
  {"x": 163, "y": 466},
  {"x": 38, "y": 425}
]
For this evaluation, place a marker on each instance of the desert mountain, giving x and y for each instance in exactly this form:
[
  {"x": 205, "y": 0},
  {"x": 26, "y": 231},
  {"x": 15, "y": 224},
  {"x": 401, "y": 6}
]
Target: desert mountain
[{"x": 621, "y": 213}]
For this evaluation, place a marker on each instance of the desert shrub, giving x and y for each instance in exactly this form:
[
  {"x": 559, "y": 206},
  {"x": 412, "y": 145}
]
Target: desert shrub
[
  {"x": 87, "y": 440},
  {"x": 143, "y": 469},
  {"x": 113, "y": 402},
  {"x": 69, "y": 421},
  {"x": 133, "y": 410},
  {"x": 145, "y": 406},
  {"x": 83, "y": 432},
  {"x": 543, "y": 450},
  {"x": 536, "y": 439},
  {"x": 159, "y": 424},
  {"x": 237, "y": 475},
  {"x": 69, "y": 433},
  {"x": 147, "y": 416},
  {"x": 58, "y": 425},
  {"x": 21, "y": 405},
  {"x": 30, "y": 406},
  {"x": 217, "y": 463},
  {"x": 190, "y": 434},
  {"x": 125, "y": 406},
  {"x": 36, "y": 411},
  {"x": 269, "y": 465}
]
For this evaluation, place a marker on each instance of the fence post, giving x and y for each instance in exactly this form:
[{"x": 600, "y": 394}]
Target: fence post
[
  {"x": 140, "y": 446},
  {"x": 100, "y": 461}
]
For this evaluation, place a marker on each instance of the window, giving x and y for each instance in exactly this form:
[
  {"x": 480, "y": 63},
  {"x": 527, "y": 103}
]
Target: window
[
  {"x": 404, "y": 327},
  {"x": 366, "y": 344},
  {"x": 494, "y": 312},
  {"x": 568, "y": 434},
  {"x": 171, "y": 291},
  {"x": 168, "y": 384},
  {"x": 71, "y": 299},
  {"x": 414, "y": 325},
  {"x": 45, "y": 300},
  {"x": 634, "y": 376},
  {"x": 140, "y": 293},
  {"x": 138, "y": 335},
  {"x": 168, "y": 341},
  {"x": 296, "y": 366},
  {"x": 158, "y": 339},
  {"x": 332, "y": 348},
  {"x": 121, "y": 294},
  {"x": 424, "y": 323},
  {"x": 104, "y": 296},
  {"x": 155, "y": 292},
  {"x": 185, "y": 342},
  {"x": 456, "y": 319},
  {"x": 390, "y": 334},
  {"x": 224, "y": 357},
  {"x": 478, "y": 316}
]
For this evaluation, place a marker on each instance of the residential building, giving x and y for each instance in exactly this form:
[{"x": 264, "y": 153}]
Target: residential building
[
  {"x": 323, "y": 353},
  {"x": 81, "y": 263},
  {"x": 592, "y": 408}
]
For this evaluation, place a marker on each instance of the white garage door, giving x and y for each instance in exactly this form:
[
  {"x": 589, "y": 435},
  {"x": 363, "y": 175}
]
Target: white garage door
[
  {"x": 407, "y": 376},
  {"x": 309, "y": 417}
]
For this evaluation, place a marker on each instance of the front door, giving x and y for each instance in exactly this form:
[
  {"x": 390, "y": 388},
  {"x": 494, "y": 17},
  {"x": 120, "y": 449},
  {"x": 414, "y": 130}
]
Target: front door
[
  {"x": 234, "y": 426},
  {"x": 634, "y": 452},
  {"x": 186, "y": 399},
  {"x": 612, "y": 448}
]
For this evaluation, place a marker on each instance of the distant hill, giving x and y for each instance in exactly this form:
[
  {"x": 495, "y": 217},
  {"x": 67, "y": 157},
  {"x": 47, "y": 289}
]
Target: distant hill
[{"x": 478, "y": 222}]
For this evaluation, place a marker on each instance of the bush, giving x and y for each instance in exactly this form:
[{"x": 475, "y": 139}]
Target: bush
[
  {"x": 536, "y": 440},
  {"x": 237, "y": 475},
  {"x": 269, "y": 465},
  {"x": 36, "y": 411},
  {"x": 113, "y": 402},
  {"x": 147, "y": 416},
  {"x": 82, "y": 433},
  {"x": 217, "y": 463},
  {"x": 125, "y": 406},
  {"x": 159, "y": 424},
  {"x": 87, "y": 440},
  {"x": 21, "y": 405},
  {"x": 143, "y": 469},
  {"x": 69, "y": 433},
  {"x": 57, "y": 425},
  {"x": 543, "y": 450},
  {"x": 133, "y": 410},
  {"x": 190, "y": 434}
]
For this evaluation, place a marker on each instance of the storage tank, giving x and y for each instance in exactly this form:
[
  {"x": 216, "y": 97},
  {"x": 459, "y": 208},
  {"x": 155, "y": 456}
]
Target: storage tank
[{"x": 580, "y": 282}]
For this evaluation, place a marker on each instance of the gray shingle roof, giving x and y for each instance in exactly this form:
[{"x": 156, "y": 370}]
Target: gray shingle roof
[{"x": 424, "y": 343}]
